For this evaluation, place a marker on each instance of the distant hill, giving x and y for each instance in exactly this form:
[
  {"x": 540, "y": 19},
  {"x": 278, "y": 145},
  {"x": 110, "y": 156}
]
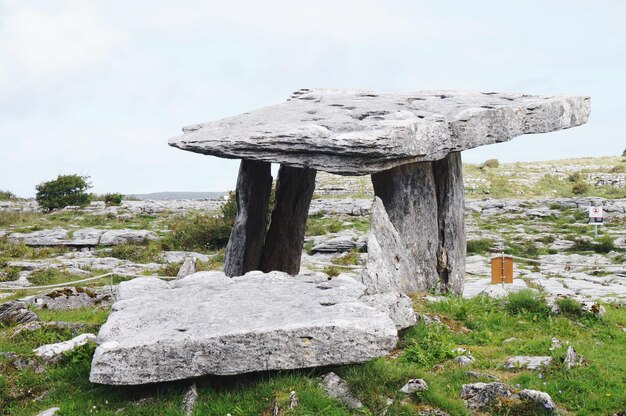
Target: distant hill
[{"x": 177, "y": 195}]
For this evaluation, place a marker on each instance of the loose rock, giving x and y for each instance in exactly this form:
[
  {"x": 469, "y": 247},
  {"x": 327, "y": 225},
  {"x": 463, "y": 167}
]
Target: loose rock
[
  {"x": 336, "y": 388},
  {"x": 53, "y": 352},
  {"x": 414, "y": 385},
  {"x": 15, "y": 312}
]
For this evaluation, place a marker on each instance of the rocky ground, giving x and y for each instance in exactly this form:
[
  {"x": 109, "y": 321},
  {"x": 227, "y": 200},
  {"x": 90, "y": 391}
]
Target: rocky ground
[{"x": 457, "y": 342}]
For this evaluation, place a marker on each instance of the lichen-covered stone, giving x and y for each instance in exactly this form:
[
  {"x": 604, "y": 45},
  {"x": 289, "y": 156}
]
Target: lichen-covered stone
[
  {"x": 357, "y": 132},
  {"x": 208, "y": 323}
]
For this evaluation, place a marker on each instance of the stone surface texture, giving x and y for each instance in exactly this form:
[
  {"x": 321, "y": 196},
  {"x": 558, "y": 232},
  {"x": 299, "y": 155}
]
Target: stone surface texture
[
  {"x": 52, "y": 352},
  {"x": 335, "y": 387},
  {"x": 413, "y": 385},
  {"x": 82, "y": 237},
  {"x": 15, "y": 312},
  {"x": 285, "y": 237},
  {"x": 208, "y": 323},
  {"x": 528, "y": 362},
  {"x": 359, "y": 132},
  {"x": 480, "y": 395},
  {"x": 245, "y": 245}
]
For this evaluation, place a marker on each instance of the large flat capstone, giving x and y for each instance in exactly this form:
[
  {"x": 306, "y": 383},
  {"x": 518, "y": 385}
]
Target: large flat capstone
[
  {"x": 207, "y": 323},
  {"x": 357, "y": 132}
]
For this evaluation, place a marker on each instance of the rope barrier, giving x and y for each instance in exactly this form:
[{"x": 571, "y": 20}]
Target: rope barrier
[
  {"x": 16, "y": 288},
  {"x": 564, "y": 264}
]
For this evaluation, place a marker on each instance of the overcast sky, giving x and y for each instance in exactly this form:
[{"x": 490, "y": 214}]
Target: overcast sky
[{"x": 98, "y": 87}]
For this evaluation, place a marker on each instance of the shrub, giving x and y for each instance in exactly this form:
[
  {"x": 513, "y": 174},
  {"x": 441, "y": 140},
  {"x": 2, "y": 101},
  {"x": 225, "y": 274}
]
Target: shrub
[
  {"x": 575, "y": 177},
  {"x": 113, "y": 199},
  {"x": 63, "y": 191},
  {"x": 526, "y": 302},
  {"x": 6, "y": 195},
  {"x": 332, "y": 271},
  {"x": 569, "y": 307},
  {"x": 490, "y": 163},
  {"x": 200, "y": 231},
  {"x": 480, "y": 246},
  {"x": 580, "y": 188},
  {"x": 618, "y": 169},
  {"x": 624, "y": 153},
  {"x": 429, "y": 345},
  {"x": 604, "y": 244}
]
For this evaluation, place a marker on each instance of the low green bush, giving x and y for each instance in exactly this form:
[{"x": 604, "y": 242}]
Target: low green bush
[
  {"x": 569, "y": 307},
  {"x": 526, "y": 302},
  {"x": 428, "y": 345},
  {"x": 51, "y": 276},
  {"x": 113, "y": 199},
  {"x": 350, "y": 258},
  {"x": 332, "y": 271},
  {"x": 481, "y": 246},
  {"x": 6, "y": 195},
  {"x": 580, "y": 188}
]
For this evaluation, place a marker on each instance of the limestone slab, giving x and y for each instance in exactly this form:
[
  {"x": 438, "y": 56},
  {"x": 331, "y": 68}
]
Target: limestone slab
[
  {"x": 207, "y": 323},
  {"x": 357, "y": 132}
]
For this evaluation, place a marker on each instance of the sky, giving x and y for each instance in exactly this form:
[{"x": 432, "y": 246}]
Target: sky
[{"x": 98, "y": 87}]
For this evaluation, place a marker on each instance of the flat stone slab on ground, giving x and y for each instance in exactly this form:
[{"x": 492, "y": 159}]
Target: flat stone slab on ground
[
  {"x": 357, "y": 132},
  {"x": 207, "y": 323}
]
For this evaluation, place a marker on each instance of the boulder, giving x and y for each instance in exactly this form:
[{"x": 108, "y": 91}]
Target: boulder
[
  {"x": 360, "y": 132},
  {"x": 15, "y": 312},
  {"x": 207, "y": 323}
]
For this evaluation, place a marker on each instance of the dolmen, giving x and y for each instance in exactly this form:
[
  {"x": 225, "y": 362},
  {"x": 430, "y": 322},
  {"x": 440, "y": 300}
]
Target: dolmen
[{"x": 261, "y": 313}]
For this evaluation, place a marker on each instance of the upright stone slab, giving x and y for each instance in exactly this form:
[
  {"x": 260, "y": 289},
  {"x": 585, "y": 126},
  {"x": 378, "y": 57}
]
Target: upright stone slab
[
  {"x": 245, "y": 246},
  {"x": 285, "y": 237},
  {"x": 408, "y": 193},
  {"x": 448, "y": 174}
]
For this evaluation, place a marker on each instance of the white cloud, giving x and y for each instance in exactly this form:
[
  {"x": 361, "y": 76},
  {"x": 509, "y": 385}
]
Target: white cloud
[{"x": 37, "y": 45}]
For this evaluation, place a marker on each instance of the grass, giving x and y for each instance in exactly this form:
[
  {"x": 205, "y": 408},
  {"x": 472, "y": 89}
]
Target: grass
[
  {"x": 478, "y": 325},
  {"x": 51, "y": 276}
]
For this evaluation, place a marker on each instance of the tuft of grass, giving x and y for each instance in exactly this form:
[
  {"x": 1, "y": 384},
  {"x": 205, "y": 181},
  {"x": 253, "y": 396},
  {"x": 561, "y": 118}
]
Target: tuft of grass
[
  {"x": 139, "y": 253},
  {"x": 428, "y": 344},
  {"x": 350, "y": 258},
  {"x": 526, "y": 302},
  {"x": 569, "y": 307},
  {"x": 51, "y": 276},
  {"x": 480, "y": 246},
  {"x": 332, "y": 271}
]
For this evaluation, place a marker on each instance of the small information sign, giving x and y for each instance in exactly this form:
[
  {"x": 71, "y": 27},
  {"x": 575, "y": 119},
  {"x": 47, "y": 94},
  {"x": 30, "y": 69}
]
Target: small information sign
[{"x": 596, "y": 215}]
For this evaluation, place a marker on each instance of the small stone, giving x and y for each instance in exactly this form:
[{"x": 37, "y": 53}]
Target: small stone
[
  {"x": 541, "y": 399},
  {"x": 463, "y": 360},
  {"x": 293, "y": 400},
  {"x": 188, "y": 267},
  {"x": 52, "y": 352},
  {"x": 336, "y": 388},
  {"x": 480, "y": 395},
  {"x": 50, "y": 412},
  {"x": 572, "y": 359},
  {"x": 414, "y": 385},
  {"x": 528, "y": 362},
  {"x": 476, "y": 374},
  {"x": 189, "y": 400},
  {"x": 555, "y": 344}
]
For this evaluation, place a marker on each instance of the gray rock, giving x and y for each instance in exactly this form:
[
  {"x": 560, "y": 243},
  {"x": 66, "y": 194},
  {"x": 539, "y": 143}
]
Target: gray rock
[
  {"x": 336, "y": 388},
  {"x": 245, "y": 245},
  {"x": 528, "y": 362},
  {"x": 15, "y": 312},
  {"x": 362, "y": 132},
  {"x": 541, "y": 399},
  {"x": 125, "y": 236},
  {"x": 53, "y": 352},
  {"x": 73, "y": 298},
  {"x": 409, "y": 195},
  {"x": 387, "y": 268},
  {"x": 208, "y": 323},
  {"x": 189, "y": 400},
  {"x": 572, "y": 359},
  {"x": 398, "y": 306},
  {"x": 50, "y": 412},
  {"x": 463, "y": 360},
  {"x": 480, "y": 395},
  {"x": 337, "y": 244},
  {"x": 285, "y": 236},
  {"x": 414, "y": 385},
  {"x": 476, "y": 374},
  {"x": 188, "y": 267}
]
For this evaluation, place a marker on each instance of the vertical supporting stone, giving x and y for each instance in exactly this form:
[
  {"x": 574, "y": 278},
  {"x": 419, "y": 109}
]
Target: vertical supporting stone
[
  {"x": 409, "y": 196},
  {"x": 448, "y": 173},
  {"x": 245, "y": 245},
  {"x": 285, "y": 237}
]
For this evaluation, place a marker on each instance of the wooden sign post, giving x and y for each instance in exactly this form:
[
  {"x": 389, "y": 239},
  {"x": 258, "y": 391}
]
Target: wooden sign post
[{"x": 501, "y": 269}]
